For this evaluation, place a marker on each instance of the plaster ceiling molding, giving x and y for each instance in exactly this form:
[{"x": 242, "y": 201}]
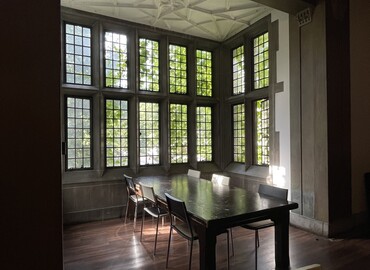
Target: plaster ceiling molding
[{"x": 211, "y": 19}]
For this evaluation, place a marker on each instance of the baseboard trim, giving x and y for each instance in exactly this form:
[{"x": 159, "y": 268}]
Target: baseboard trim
[{"x": 308, "y": 224}]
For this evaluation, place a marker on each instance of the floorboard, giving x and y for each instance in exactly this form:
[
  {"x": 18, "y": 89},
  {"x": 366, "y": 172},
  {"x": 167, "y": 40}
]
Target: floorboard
[{"x": 114, "y": 245}]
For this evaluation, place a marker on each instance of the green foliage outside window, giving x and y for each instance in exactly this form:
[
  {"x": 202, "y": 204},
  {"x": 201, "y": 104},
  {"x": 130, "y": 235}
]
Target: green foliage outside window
[
  {"x": 178, "y": 69},
  {"x": 204, "y": 133},
  {"x": 239, "y": 132},
  {"x": 204, "y": 73},
  {"x": 261, "y": 61},
  {"x": 149, "y": 133},
  {"x": 78, "y": 137},
  {"x": 178, "y": 133},
  {"x": 238, "y": 71},
  {"x": 116, "y": 130},
  {"x": 262, "y": 127},
  {"x": 116, "y": 71},
  {"x": 77, "y": 54},
  {"x": 149, "y": 65}
]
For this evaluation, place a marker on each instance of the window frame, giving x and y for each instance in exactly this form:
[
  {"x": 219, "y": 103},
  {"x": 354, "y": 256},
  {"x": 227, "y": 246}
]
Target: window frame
[
  {"x": 212, "y": 73},
  {"x": 187, "y": 132},
  {"x": 212, "y": 131},
  {"x": 155, "y": 39},
  {"x": 159, "y": 135},
  {"x": 103, "y": 52},
  {"x": 64, "y": 47},
  {"x": 105, "y": 132},
  {"x": 245, "y": 39},
  {"x": 255, "y": 129},
  {"x": 65, "y": 143},
  {"x": 170, "y": 43}
]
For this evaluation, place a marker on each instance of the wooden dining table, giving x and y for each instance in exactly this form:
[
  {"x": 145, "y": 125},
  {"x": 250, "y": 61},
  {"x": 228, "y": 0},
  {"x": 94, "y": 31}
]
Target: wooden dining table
[{"x": 214, "y": 208}]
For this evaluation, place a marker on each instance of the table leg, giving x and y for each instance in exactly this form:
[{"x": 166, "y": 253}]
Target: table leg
[
  {"x": 207, "y": 248},
  {"x": 282, "y": 240}
]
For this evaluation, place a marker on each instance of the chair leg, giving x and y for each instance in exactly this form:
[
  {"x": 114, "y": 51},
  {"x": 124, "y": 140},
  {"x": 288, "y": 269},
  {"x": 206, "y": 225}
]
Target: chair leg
[
  {"x": 228, "y": 250},
  {"x": 142, "y": 225},
  {"x": 168, "y": 247},
  {"x": 127, "y": 206},
  {"x": 256, "y": 244},
  {"x": 232, "y": 241},
  {"x": 258, "y": 238},
  {"x": 156, "y": 236},
  {"x": 191, "y": 253},
  {"x": 135, "y": 215}
]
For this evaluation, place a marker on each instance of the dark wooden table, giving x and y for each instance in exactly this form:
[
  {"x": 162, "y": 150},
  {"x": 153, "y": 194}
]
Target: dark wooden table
[{"x": 214, "y": 208}]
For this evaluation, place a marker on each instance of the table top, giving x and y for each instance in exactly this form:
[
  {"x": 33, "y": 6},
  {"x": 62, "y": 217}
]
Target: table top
[{"x": 208, "y": 202}]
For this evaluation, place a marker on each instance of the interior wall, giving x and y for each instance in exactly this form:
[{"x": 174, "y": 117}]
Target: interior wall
[
  {"x": 281, "y": 171},
  {"x": 360, "y": 100},
  {"x": 308, "y": 114},
  {"x": 314, "y": 117},
  {"x": 31, "y": 213}
]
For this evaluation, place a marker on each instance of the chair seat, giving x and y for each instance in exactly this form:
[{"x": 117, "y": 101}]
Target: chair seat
[
  {"x": 137, "y": 199},
  {"x": 156, "y": 211},
  {"x": 259, "y": 224},
  {"x": 183, "y": 230}
]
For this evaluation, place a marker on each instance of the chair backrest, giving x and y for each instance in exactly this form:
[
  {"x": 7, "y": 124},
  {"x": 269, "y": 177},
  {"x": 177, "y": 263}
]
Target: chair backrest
[
  {"x": 129, "y": 184},
  {"x": 194, "y": 173},
  {"x": 148, "y": 192},
  {"x": 276, "y": 192},
  {"x": 220, "y": 179},
  {"x": 177, "y": 208}
]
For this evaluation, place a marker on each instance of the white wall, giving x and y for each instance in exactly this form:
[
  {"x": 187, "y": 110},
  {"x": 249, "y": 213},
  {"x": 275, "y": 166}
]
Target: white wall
[{"x": 281, "y": 172}]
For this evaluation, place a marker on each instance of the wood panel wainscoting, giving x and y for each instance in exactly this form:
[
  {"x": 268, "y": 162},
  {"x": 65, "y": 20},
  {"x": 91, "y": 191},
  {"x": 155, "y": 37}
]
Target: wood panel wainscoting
[{"x": 113, "y": 245}]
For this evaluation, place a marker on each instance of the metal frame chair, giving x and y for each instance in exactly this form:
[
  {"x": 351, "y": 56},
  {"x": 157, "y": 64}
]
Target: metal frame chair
[
  {"x": 194, "y": 173},
  {"x": 220, "y": 179},
  {"x": 177, "y": 209},
  {"x": 271, "y": 191},
  {"x": 132, "y": 195},
  {"x": 153, "y": 209}
]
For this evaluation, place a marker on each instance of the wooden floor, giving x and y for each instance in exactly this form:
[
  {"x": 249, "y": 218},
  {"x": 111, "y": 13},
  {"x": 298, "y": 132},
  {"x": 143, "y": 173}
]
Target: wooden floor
[{"x": 113, "y": 245}]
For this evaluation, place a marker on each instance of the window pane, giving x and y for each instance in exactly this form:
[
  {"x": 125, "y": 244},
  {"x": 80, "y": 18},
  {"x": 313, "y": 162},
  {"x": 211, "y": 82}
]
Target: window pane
[
  {"x": 261, "y": 61},
  {"x": 239, "y": 132},
  {"x": 149, "y": 65},
  {"x": 178, "y": 133},
  {"x": 238, "y": 71},
  {"x": 78, "y": 133},
  {"x": 262, "y": 126},
  {"x": 149, "y": 133},
  {"x": 116, "y": 130},
  {"x": 77, "y": 54},
  {"x": 178, "y": 69},
  {"x": 204, "y": 134},
  {"x": 204, "y": 73},
  {"x": 116, "y": 71}
]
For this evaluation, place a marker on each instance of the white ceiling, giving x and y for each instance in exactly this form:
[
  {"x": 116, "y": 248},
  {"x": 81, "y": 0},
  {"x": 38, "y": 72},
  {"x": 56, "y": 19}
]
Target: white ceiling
[{"x": 211, "y": 19}]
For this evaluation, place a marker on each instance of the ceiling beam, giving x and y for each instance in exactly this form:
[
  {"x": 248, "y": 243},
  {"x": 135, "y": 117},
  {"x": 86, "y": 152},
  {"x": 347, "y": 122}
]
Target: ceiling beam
[{"x": 290, "y": 6}]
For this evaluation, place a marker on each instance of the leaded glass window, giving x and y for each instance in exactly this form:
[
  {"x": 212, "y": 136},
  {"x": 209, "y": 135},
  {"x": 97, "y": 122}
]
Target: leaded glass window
[
  {"x": 204, "y": 133},
  {"x": 149, "y": 133},
  {"x": 149, "y": 65},
  {"x": 116, "y": 71},
  {"x": 204, "y": 73},
  {"x": 238, "y": 71},
  {"x": 261, "y": 61},
  {"x": 178, "y": 69},
  {"x": 178, "y": 133},
  {"x": 262, "y": 127},
  {"x": 78, "y": 133},
  {"x": 239, "y": 132},
  {"x": 116, "y": 132},
  {"x": 77, "y": 54}
]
